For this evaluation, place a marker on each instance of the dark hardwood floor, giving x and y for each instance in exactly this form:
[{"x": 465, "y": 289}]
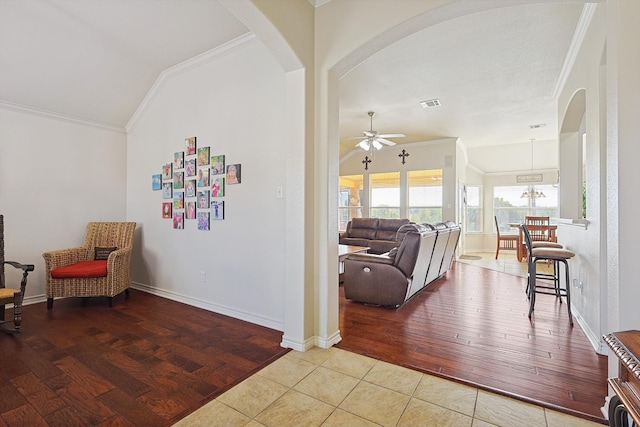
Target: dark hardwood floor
[
  {"x": 147, "y": 361},
  {"x": 472, "y": 326}
]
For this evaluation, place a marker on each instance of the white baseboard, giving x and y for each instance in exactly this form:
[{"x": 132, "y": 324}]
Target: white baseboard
[
  {"x": 216, "y": 308},
  {"x": 596, "y": 341},
  {"x": 297, "y": 345}
]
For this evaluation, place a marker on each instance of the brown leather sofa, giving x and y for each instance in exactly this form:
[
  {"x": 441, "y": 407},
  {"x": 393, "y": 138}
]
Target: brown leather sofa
[
  {"x": 379, "y": 234},
  {"x": 425, "y": 252}
]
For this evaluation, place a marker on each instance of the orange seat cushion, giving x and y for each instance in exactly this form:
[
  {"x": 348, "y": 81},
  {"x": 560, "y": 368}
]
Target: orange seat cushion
[{"x": 81, "y": 269}]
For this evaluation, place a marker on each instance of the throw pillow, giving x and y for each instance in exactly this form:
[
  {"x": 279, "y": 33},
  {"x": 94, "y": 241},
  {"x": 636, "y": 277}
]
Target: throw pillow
[{"x": 103, "y": 253}]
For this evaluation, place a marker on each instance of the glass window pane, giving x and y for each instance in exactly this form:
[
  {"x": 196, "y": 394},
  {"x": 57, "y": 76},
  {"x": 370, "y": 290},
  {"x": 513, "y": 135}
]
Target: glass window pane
[
  {"x": 349, "y": 199},
  {"x": 424, "y": 196},
  {"x": 510, "y": 205},
  {"x": 474, "y": 209},
  {"x": 385, "y": 195}
]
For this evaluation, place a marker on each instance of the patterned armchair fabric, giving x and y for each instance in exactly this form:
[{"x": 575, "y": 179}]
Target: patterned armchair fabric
[{"x": 99, "y": 236}]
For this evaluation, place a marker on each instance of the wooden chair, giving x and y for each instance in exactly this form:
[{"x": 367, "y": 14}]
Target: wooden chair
[
  {"x": 101, "y": 267},
  {"x": 538, "y": 227},
  {"x": 505, "y": 241},
  {"x": 11, "y": 295}
]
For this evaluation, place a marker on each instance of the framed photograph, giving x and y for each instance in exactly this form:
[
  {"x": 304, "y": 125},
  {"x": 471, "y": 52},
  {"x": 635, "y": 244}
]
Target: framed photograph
[
  {"x": 191, "y": 167},
  {"x": 166, "y": 210},
  {"x": 178, "y": 180},
  {"x": 217, "y": 210},
  {"x": 190, "y": 145},
  {"x": 156, "y": 182},
  {"x": 167, "y": 191},
  {"x": 203, "y": 199},
  {"x": 178, "y": 200},
  {"x": 178, "y": 160},
  {"x": 217, "y": 186},
  {"x": 203, "y": 220},
  {"x": 191, "y": 210},
  {"x": 167, "y": 172},
  {"x": 178, "y": 220},
  {"x": 203, "y": 177},
  {"x": 191, "y": 188},
  {"x": 217, "y": 165},
  {"x": 203, "y": 156},
  {"x": 233, "y": 174}
]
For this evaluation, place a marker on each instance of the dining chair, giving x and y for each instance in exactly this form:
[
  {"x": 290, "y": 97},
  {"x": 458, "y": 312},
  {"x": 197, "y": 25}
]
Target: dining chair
[
  {"x": 505, "y": 241},
  {"x": 538, "y": 228},
  {"x": 556, "y": 256}
]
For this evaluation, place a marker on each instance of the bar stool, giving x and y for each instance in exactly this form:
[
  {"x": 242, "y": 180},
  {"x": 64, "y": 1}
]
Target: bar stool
[{"x": 557, "y": 256}]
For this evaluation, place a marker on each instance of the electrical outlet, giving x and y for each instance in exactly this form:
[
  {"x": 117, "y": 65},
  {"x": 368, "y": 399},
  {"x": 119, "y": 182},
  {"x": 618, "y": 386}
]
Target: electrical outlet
[{"x": 203, "y": 276}]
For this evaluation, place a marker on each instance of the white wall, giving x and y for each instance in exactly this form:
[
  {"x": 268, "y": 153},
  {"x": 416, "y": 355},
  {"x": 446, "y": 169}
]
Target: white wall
[
  {"x": 587, "y": 286},
  {"x": 235, "y": 104},
  {"x": 56, "y": 175}
]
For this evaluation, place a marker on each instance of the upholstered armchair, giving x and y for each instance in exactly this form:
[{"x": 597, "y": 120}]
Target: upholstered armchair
[{"x": 100, "y": 267}]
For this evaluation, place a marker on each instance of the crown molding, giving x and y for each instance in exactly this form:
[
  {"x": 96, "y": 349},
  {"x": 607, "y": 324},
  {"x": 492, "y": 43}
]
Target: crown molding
[
  {"x": 197, "y": 61},
  {"x": 588, "y": 10},
  {"x": 318, "y": 3},
  {"x": 61, "y": 117}
]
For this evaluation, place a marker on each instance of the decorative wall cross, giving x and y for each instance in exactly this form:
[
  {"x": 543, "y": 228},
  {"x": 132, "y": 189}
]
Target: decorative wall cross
[
  {"x": 404, "y": 155},
  {"x": 366, "y": 162}
]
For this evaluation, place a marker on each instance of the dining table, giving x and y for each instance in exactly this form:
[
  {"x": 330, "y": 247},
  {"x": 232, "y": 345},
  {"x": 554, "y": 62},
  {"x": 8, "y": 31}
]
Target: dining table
[{"x": 521, "y": 250}]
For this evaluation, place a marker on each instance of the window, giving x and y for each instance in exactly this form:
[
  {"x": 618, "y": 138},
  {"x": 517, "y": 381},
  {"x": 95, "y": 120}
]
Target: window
[
  {"x": 350, "y": 199},
  {"x": 385, "y": 195},
  {"x": 425, "y": 196},
  {"x": 474, "y": 209},
  {"x": 509, "y": 205}
]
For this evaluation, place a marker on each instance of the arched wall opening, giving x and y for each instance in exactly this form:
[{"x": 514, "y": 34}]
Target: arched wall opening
[
  {"x": 572, "y": 144},
  {"x": 331, "y": 84}
]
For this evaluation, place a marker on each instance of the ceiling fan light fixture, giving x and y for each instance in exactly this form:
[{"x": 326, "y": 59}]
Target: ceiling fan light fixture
[
  {"x": 430, "y": 103},
  {"x": 364, "y": 144},
  {"x": 377, "y": 145}
]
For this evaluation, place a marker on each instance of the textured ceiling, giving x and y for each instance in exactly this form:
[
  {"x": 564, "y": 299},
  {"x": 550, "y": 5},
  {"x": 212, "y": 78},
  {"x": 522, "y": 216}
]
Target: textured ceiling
[
  {"x": 97, "y": 59},
  {"x": 494, "y": 72}
]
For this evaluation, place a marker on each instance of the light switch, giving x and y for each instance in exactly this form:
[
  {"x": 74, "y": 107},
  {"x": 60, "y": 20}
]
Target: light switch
[{"x": 279, "y": 192}]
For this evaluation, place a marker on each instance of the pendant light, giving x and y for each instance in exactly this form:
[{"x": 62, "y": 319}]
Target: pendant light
[{"x": 532, "y": 193}]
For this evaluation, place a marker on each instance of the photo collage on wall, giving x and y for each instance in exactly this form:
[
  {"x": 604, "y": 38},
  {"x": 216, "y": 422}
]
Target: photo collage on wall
[{"x": 194, "y": 184}]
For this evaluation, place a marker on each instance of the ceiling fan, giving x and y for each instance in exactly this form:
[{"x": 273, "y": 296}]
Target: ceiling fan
[{"x": 373, "y": 139}]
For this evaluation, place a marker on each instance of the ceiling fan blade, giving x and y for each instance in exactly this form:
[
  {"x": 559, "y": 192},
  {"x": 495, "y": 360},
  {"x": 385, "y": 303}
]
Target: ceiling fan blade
[
  {"x": 392, "y": 135},
  {"x": 386, "y": 141}
]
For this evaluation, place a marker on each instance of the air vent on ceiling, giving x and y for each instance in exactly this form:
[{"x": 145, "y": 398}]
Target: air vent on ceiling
[
  {"x": 430, "y": 103},
  {"x": 538, "y": 126}
]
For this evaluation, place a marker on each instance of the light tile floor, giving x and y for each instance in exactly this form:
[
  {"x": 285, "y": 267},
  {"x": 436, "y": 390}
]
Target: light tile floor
[
  {"x": 506, "y": 263},
  {"x": 334, "y": 387}
]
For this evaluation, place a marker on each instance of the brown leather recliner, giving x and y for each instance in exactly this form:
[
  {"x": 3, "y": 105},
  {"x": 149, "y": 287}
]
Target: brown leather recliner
[{"x": 386, "y": 279}]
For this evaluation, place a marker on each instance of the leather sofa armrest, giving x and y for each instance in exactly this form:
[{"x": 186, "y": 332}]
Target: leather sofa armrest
[{"x": 364, "y": 257}]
